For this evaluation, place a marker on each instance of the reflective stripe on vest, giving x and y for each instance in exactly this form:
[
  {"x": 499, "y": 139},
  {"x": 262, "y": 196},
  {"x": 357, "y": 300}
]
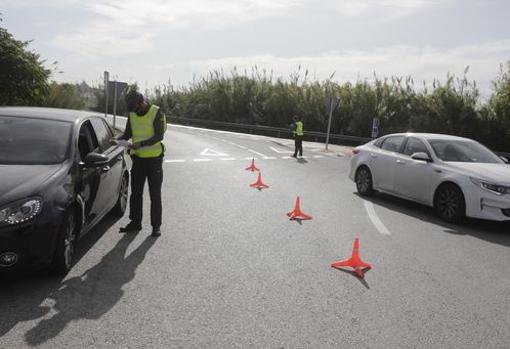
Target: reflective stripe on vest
[
  {"x": 142, "y": 128},
  {"x": 299, "y": 129}
]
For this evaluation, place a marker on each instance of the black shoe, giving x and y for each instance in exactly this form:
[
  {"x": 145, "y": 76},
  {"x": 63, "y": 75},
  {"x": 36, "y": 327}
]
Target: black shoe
[
  {"x": 294, "y": 156},
  {"x": 156, "y": 231},
  {"x": 132, "y": 227}
]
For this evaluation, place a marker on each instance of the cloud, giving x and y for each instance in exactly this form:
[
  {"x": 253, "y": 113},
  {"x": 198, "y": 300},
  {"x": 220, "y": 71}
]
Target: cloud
[
  {"x": 121, "y": 22},
  {"x": 385, "y": 8},
  {"x": 180, "y": 13},
  {"x": 103, "y": 40}
]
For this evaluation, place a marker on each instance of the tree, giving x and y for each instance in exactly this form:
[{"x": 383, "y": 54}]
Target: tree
[{"x": 23, "y": 78}]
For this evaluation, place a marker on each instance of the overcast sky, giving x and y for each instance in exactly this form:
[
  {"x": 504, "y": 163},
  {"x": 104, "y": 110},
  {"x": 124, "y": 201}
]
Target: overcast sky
[{"x": 152, "y": 41}]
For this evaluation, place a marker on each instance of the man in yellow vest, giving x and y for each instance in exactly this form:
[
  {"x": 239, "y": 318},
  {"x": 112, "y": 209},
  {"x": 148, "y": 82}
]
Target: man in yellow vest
[
  {"x": 146, "y": 126},
  {"x": 297, "y": 130}
]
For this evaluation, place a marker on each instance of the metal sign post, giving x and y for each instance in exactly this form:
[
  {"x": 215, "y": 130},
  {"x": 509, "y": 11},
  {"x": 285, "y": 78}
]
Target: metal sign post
[
  {"x": 115, "y": 104},
  {"x": 331, "y": 104},
  {"x": 375, "y": 127},
  {"x": 116, "y": 89},
  {"x": 106, "y": 78}
]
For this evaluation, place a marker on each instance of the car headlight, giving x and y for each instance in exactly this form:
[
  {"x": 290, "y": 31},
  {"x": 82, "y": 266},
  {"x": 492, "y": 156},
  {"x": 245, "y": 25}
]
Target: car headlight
[
  {"x": 493, "y": 188},
  {"x": 20, "y": 211}
]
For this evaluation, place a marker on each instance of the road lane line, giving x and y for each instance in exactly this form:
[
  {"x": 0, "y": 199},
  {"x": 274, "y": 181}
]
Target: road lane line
[
  {"x": 375, "y": 219},
  {"x": 201, "y": 160},
  {"x": 256, "y": 152},
  {"x": 228, "y": 159},
  {"x": 175, "y": 160},
  {"x": 270, "y": 158}
]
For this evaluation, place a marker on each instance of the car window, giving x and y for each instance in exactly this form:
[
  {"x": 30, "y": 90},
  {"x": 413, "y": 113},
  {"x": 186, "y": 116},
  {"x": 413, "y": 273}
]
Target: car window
[
  {"x": 378, "y": 143},
  {"x": 455, "y": 150},
  {"x": 392, "y": 143},
  {"x": 87, "y": 141},
  {"x": 31, "y": 141},
  {"x": 103, "y": 133},
  {"x": 414, "y": 145}
]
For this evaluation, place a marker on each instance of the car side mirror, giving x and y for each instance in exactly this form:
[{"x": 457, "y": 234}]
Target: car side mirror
[
  {"x": 421, "y": 156},
  {"x": 504, "y": 159},
  {"x": 95, "y": 160}
]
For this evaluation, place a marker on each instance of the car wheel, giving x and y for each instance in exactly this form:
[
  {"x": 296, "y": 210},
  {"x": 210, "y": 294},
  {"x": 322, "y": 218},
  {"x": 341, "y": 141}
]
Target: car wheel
[
  {"x": 64, "y": 253},
  {"x": 364, "y": 182},
  {"x": 121, "y": 205},
  {"x": 449, "y": 203}
]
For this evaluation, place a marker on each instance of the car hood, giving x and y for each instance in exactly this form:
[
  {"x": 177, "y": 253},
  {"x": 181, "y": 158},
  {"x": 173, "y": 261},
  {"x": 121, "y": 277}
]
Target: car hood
[
  {"x": 19, "y": 181},
  {"x": 495, "y": 173}
]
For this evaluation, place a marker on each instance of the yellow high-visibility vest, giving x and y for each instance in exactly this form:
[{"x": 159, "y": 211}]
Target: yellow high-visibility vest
[
  {"x": 299, "y": 129},
  {"x": 142, "y": 128}
]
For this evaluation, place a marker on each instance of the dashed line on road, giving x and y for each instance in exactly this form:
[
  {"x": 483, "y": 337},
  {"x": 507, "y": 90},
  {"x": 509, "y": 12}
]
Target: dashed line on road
[
  {"x": 374, "y": 218},
  {"x": 256, "y": 152}
]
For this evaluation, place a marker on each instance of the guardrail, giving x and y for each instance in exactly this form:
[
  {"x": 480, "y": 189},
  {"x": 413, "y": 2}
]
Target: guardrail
[
  {"x": 270, "y": 131},
  {"x": 275, "y": 131}
]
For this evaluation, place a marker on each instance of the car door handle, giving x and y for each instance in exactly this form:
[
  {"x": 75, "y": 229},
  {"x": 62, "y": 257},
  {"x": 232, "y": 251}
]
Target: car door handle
[
  {"x": 401, "y": 162},
  {"x": 373, "y": 155},
  {"x": 105, "y": 169}
]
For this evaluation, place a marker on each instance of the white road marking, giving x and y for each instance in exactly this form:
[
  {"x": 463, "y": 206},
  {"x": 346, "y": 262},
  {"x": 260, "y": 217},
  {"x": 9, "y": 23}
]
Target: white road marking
[
  {"x": 228, "y": 159},
  {"x": 256, "y": 152},
  {"x": 375, "y": 219},
  {"x": 287, "y": 157},
  {"x": 211, "y": 152},
  {"x": 175, "y": 160},
  {"x": 201, "y": 160},
  {"x": 270, "y": 158},
  {"x": 249, "y": 158},
  {"x": 318, "y": 156},
  {"x": 281, "y": 151}
]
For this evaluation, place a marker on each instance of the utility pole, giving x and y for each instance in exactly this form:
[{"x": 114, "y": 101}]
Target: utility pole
[{"x": 106, "y": 78}]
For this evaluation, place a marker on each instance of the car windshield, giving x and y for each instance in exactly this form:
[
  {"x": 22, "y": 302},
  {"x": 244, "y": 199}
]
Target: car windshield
[
  {"x": 33, "y": 141},
  {"x": 463, "y": 151}
]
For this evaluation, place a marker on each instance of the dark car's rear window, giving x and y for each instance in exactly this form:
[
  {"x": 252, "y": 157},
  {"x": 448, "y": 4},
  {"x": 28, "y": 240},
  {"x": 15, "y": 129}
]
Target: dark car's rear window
[{"x": 33, "y": 141}]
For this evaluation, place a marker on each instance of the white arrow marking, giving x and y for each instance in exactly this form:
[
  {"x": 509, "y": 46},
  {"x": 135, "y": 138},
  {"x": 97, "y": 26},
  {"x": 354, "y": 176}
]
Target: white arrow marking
[
  {"x": 211, "y": 152},
  {"x": 281, "y": 151}
]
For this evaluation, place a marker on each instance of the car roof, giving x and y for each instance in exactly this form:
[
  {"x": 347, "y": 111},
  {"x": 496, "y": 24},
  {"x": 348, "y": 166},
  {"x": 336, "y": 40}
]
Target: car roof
[
  {"x": 48, "y": 113},
  {"x": 429, "y": 136}
]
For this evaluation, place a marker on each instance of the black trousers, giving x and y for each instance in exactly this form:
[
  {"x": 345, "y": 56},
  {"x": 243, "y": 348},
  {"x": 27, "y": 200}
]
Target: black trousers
[
  {"x": 152, "y": 169},
  {"x": 298, "y": 145}
]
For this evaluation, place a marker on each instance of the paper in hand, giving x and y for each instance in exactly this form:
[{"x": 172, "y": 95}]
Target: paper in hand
[{"x": 123, "y": 143}]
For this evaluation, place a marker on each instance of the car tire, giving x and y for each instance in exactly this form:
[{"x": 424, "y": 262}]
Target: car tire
[
  {"x": 449, "y": 203},
  {"x": 120, "y": 207},
  {"x": 363, "y": 180},
  {"x": 64, "y": 252}
]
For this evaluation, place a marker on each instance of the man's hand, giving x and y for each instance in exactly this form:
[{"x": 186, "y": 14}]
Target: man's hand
[
  {"x": 136, "y": 145},
  {"x": 113, "y": 141}
]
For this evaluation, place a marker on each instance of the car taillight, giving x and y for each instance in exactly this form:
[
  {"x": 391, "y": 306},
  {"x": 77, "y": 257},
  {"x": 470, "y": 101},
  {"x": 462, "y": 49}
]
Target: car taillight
[{"x": 355, "y": 151}]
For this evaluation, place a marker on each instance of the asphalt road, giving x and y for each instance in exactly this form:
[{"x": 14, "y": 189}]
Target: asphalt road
[{"x": 231, "y": 270}]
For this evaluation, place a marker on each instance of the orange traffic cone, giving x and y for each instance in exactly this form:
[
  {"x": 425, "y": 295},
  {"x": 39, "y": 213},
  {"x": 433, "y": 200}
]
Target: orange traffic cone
[
  {"x": 252, "y": 167},
  {"x": 354, "y": 262},
  {"x": 258, "y": 184},
  {"x": 297, "y": 213}
]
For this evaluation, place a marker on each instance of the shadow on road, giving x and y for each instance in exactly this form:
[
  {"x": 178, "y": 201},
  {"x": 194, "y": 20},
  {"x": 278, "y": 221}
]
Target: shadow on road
[
  {"x": 88, "y": 296},
  {"x": 494, "y": 232},
  {"x": 353, "y": 273}
]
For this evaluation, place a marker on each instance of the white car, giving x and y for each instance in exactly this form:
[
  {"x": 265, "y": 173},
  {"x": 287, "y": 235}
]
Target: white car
[{"x": 457, "y": 176}]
